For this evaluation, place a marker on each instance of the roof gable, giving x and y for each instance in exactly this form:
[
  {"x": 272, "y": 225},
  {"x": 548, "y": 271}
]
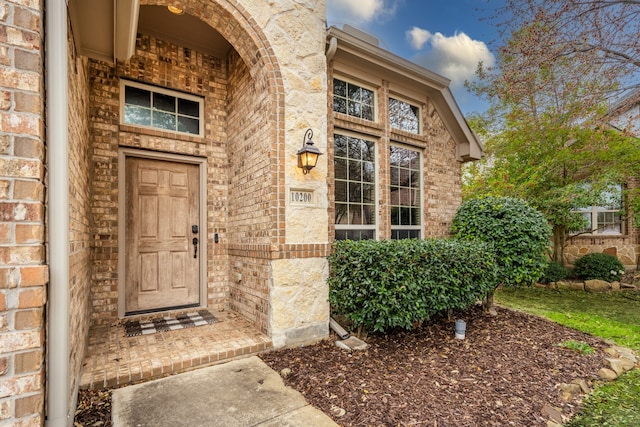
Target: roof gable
[{"x": 351, "y": 46}]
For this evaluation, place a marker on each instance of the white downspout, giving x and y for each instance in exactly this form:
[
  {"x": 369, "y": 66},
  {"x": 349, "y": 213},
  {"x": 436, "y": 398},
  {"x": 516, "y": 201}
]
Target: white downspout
[{"x": 57, "y": 341}]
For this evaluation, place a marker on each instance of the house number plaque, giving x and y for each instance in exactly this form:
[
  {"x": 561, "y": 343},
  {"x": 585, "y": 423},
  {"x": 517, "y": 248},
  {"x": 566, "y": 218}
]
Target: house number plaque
[{"x": 301, "y": 197}]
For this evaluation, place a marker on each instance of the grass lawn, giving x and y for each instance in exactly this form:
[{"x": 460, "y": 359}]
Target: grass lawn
[{"x": 614, "y": 316}]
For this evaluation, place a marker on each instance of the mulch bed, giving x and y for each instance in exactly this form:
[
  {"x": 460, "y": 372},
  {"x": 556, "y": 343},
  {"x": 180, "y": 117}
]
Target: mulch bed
[{"x": 501, "y": 374}]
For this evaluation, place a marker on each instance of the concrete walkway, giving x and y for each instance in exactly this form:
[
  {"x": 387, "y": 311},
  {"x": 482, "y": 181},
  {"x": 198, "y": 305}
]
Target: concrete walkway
[{"x": 240, "y": 393}]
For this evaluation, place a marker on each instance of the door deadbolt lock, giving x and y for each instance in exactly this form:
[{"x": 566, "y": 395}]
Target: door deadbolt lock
[
  {"x": 195, "y": 247},
  {"x": 194, "y": 229}
]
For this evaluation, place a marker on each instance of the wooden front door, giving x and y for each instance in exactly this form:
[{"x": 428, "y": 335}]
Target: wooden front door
[{"x": 161, "y": 223}]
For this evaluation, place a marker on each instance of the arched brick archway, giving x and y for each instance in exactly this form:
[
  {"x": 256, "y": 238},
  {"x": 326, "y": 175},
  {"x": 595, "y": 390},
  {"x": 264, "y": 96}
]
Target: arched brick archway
[
  {"x": 247, "y": 38},
  {"x": 246, "y": 193}
]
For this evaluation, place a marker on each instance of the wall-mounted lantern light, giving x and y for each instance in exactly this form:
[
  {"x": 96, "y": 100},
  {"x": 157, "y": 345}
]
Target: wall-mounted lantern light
[{"x": 308, "y": 154}]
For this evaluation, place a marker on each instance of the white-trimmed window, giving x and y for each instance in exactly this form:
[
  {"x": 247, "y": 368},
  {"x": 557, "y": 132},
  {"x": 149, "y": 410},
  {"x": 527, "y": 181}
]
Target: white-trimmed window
[
  {"x": 605, "y": 220},
  {"x": 355, "y": 188},
  {"x": 354, "y": 100},
  {"x": 404, "y": 116},
  {"x": 406, "y": 193},
  {"x": 157, "y": 108}
]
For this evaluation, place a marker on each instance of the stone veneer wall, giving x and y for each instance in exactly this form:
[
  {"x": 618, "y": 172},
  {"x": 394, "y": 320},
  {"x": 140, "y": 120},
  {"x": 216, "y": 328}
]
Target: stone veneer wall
[
  {"x": 626, "y": 248},
  {"x": 80, "y": 192},
  {"x": 23, "y": 270},
  {"x": 298, "y": 244}
]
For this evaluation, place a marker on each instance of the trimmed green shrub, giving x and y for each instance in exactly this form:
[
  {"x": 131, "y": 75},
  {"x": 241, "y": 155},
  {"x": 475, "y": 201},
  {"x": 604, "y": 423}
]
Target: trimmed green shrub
[
  {"x": 554, "y": 273},
  {"x": 382, "y": 285},
  {"x": 519, "y": 234},
  {"x": 599, "y": 266}
]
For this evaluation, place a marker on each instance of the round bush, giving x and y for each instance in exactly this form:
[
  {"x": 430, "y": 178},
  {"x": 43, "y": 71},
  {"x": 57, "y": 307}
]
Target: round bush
[
  {"x": 554, "y": 272},
  {"x": 519, "y": 234},
  {"x": 599, "y": 266}
]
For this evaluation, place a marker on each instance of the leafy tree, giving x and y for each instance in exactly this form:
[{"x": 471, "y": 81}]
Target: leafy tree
[
  {"x": 518, "y": 233},
  {"x": 600, "y": 33},
  {"x": 546, "y": 134}
]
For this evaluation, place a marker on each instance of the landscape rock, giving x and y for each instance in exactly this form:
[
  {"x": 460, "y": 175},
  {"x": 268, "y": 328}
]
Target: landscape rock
[
  {"x": 356, "y": 343},
  {"x": 566, "y": 396},
  {"x": 615, "y": 286},
  {"x": 611, "y": 351},
  {"x": 579, "y": 286},
  {"x": 607, "y": 374},
  {"x": 626, "y": 353},
  {"x": 342, "y": 345},
  {"x": 285, "y": 372},
  {"x": 627, "y": 364},
  {"x": 617, "y": 365},
  {"x": 352, "y": 344},
  {"x": 338, "y": 411},
  {"x": 570, "y": 388},
  {"x": 552, "y": 413},
  {"x": 596, "y": 285},
  {"x": 584, "y": 385}
]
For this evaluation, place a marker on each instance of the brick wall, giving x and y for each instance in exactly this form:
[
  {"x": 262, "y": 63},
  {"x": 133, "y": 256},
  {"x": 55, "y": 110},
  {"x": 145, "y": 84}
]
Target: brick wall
[
  {"x": 251, "y": 209},
  {"x": 23, "y": 275},
  {"x": 103, "y": 161},
  {"x": 80, "y": 192},
  {"x": 442, "y": 176},
  {"x": 171, "y": 66}
]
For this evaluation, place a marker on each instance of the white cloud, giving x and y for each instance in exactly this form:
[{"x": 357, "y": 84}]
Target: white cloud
[
  {"x": 418, "y": 37},
  {"x": 359, "y": 11},
  {"x": 455, "y": 57}
]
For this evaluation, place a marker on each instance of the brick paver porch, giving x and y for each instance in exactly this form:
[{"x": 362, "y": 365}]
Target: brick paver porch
[{"x": 112, "y": 359}]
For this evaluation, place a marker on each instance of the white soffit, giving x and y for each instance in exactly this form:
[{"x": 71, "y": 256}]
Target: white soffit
[{"x": 104, "y": 29}]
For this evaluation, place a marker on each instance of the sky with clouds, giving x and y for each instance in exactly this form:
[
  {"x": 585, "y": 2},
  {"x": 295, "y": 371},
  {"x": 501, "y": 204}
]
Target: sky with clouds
[{"x": 449, "y": 37}]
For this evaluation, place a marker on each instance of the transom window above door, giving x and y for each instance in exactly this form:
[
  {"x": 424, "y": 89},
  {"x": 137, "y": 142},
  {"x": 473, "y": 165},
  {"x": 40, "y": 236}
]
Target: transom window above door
[
  {"x": 354, "y": 100},
  {"x": 153, "y": 107}
]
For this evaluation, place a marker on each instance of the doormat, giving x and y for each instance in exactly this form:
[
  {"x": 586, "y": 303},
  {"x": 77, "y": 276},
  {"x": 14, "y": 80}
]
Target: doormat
[{"x": 162, "y": 324}]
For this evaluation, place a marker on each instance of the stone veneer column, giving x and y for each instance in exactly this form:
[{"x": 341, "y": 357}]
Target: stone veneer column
[{"x": 298, "y": 292}]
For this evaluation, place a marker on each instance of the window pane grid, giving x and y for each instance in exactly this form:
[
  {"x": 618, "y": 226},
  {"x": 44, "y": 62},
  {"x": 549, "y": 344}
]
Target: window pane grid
[
  {"x": 405, "y": 193},
  {"x": 353, "y": 100},
  {"x": 145, "y": 107},
  {"x": 404, "y": 116},
  {"x": 354, "y": 192},
  {"x": 604, "y": 219},
  {"x": 609, "y": 222}
]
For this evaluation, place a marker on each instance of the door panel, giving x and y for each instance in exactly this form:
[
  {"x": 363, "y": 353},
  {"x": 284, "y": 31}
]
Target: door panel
[{"x": 161, "y": 206}]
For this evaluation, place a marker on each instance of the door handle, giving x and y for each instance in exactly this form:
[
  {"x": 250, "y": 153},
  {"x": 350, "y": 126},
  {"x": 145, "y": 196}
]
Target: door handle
[{"x": 195, "y": 247}]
